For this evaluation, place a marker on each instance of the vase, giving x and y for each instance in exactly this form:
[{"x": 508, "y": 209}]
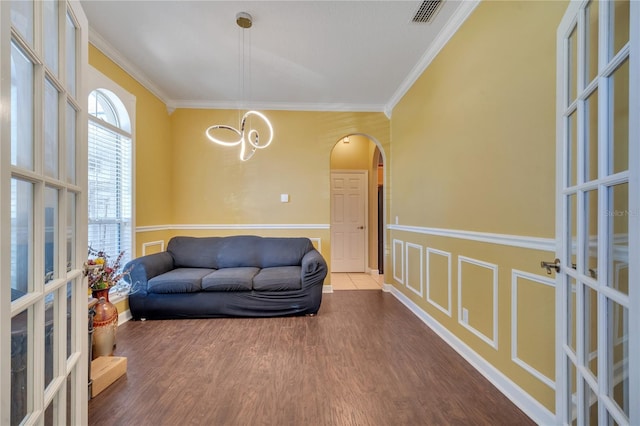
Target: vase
[{"x": 105, "y": 325}]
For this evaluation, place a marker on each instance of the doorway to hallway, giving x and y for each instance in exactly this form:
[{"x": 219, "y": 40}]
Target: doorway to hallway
[{"x": 357, "y": 206}]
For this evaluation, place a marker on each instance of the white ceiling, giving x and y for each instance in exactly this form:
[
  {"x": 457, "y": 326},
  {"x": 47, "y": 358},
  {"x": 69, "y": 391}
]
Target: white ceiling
[{"x": 303, "y": 55}]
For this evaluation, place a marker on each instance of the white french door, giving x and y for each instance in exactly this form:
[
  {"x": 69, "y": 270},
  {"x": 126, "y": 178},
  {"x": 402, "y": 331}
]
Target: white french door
[
  {"x": 43, "y": 213},
  {"x": 348, "y": 221},
  {"x": 598, "y": 214}
]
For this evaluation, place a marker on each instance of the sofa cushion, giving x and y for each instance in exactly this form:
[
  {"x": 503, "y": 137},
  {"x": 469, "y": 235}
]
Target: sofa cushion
[
  {"x": 278, "y": 278},
  {"x": 239, "y": 251},
  {"x": 193, "y": 252},
  {"x": 180, "y": 280},
  {"x": 283, "y": 251},
  {"x": 229, "y": 279},
  {"x": 261, "y": 252}
]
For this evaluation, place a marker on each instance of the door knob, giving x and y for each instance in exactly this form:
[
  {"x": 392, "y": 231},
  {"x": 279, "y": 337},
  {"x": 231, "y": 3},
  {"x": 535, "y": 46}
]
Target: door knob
[
  {"x": 360, "y": 227},
  {"x": 551, "y": 265}
]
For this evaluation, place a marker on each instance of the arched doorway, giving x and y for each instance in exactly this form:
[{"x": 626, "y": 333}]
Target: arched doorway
[{"x": 357, "y": 213}]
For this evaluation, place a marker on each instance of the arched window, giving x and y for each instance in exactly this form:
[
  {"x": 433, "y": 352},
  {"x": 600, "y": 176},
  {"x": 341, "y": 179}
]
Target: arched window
[{"x": 110, "y": 175}]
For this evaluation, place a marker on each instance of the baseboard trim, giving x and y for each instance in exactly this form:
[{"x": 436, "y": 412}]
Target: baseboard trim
[
  {"x": 327, "y": 288},
  {"x": 124, "y": 317},
  {"x": 532, "y": 408}
]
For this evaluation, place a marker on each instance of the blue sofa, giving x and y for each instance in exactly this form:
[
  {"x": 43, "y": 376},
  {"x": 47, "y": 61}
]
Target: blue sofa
[{"x": 244, "y": 276}]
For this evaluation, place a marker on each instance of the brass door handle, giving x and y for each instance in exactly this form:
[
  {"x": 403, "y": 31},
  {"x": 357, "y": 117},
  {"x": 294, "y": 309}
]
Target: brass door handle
[
  {"x": 360, "y": 227},
  {"x": 551, "y": 265}
]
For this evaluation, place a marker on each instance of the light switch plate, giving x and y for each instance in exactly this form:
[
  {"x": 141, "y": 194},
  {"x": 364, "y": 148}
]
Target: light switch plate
[{"x": 284, "y": 198}]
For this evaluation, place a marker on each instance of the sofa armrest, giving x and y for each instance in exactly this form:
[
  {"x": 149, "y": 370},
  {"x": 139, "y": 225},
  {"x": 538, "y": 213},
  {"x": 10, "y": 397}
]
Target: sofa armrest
[
  {"x": 314, "y": 269},
  {"x": 142, "y": 269}
]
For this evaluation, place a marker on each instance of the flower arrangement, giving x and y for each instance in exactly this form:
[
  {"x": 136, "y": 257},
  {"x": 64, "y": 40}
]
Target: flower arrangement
[{"x": 101, "y": 271}]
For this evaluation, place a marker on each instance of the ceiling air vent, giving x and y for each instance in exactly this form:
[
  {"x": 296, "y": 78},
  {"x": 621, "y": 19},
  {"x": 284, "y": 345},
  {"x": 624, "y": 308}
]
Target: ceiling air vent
[{"x": 427, "y": 10}]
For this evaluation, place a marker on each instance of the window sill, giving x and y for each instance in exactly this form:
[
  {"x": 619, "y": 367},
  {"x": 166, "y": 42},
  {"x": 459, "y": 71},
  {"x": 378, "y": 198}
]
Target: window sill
[{"x": 117, "y": 296}]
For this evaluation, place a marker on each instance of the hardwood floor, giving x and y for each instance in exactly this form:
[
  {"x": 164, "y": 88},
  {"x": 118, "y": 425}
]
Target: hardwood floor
[{"x": 363, "y": 360}]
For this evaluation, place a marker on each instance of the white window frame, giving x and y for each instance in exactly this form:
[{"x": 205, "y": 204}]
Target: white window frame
[{"x": 96, "y": 81}]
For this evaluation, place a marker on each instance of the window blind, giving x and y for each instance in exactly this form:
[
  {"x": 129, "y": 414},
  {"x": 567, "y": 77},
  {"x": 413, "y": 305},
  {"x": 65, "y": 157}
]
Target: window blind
[{"x": 110, "y": 204}]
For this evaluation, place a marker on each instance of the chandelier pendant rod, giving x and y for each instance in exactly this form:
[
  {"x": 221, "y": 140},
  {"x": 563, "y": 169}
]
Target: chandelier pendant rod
[{"x": 247, "y": 134}]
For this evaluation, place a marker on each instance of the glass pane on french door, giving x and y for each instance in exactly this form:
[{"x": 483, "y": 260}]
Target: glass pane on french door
[
  {"x": 594, "y": 52},
  {"x": 45, "y": 55}
]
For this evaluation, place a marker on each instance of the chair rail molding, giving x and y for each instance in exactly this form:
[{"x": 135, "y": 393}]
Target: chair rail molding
[
  {"x": 231, "y": 226},
  {"x": 522, "y": 241}
]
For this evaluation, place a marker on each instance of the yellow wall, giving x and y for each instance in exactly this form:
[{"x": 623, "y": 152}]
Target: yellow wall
[
  {"x": 186, "y": 185},
  {"x": 474, "y": 150},
  {"x": 153, "y": 163},
  {"x": 354, "y": 155},
  {"x": 211, "y": 186},
  {"x": 480, "y": 123}
]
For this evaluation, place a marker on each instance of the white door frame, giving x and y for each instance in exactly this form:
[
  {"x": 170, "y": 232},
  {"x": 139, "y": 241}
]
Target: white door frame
[
  {"x": 634, "y": 220},
  {"x": 63, "y": 293}
]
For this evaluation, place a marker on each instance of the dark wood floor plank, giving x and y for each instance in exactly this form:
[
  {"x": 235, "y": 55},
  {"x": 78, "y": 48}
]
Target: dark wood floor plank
[{"x": 363, "y": 360}]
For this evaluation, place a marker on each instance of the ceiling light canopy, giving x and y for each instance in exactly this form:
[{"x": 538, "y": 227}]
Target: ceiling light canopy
[
  {"x": 248, "y": 137},
  {"x": 244, "y": 20}
]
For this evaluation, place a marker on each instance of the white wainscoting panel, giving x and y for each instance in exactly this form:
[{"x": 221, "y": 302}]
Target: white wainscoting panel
[
  {"x": 492, "y": 341},
  {"x": 398, "y": 260},
  {"x": 151, "y": 244},
  {"x": 419, "y": 290},
  {"x": 430, "y": 284},
  {"x": 515, "y": 276},
  {"x": 318, "y": 242}
]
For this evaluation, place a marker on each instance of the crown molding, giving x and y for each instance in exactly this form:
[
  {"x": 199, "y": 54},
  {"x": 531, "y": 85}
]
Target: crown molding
[
  {"x": 171, "y": 104},
  {"x": 451, "y": 27},
  {"x": 453, "y": 24},
  {"x": 112, "y": 53},
  {"x": 277, "y": 106}
]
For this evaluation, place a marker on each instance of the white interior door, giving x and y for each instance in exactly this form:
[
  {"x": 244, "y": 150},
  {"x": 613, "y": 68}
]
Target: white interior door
[
  {"x": 348, "y": 221},
  {"x": 598, "y": 214},
  {"x": 43, "y": 294}
]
